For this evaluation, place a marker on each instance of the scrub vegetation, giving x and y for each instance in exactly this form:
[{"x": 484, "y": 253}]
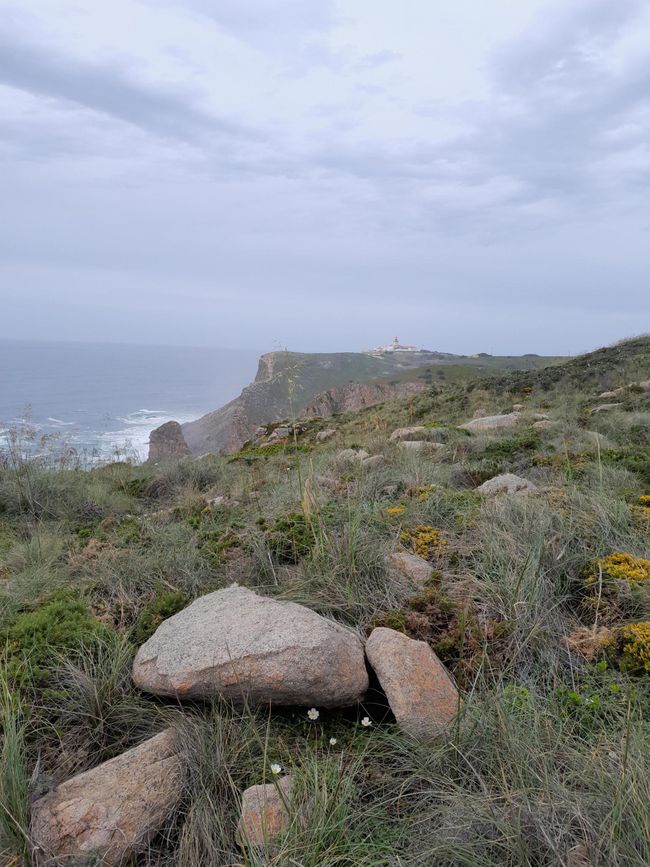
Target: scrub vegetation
[{"x": 538, "y": 604}]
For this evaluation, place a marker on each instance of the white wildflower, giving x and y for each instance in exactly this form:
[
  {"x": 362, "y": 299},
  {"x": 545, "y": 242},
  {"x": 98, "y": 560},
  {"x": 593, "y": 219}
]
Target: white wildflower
[
  {"x": 332, "y": 742},
  {"x": 312, "y": 713},
  {"x": 365, "y": 722},
  {"x": 276, "y": 769}
]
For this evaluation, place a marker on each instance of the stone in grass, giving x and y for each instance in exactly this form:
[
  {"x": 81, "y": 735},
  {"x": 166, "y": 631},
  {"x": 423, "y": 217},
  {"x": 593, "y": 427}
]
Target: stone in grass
[
  {"x": 507, "y": 483},
  {"x": 418, "y": 687},
  {"x": 112, "y": 811},
  {"x": 264, "y": 814},
  {"x": 419, "y": 432},
  {"x": 324, "y": 435},
  {"x": 491, "y": 422},
  {"x": 417, "y": 570},
  {"x": 373, "y": 462},
  {"x": 252, "y": 649},
  {"x": 605, "y": 407},
  {"x": 421, "y": 446},
  {"x": 350, "y": 455}
]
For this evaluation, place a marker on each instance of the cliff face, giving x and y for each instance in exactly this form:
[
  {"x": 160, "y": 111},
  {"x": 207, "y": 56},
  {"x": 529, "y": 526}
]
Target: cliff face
[
  {"x": 285, "y": 385},
  {"x": 358, "y": 395},
  {"x": 292, "y": 384}
]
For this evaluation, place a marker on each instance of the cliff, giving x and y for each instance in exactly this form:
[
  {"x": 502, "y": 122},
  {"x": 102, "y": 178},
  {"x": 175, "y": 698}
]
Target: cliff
[
  {"x": 358, "y": 395},
  {"x": 285, "y": 384},
  {"x": 293, "y": 384}
]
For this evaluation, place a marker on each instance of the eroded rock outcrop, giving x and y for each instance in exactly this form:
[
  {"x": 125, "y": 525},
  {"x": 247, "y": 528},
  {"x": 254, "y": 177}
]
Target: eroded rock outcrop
[
  {"x": 358, "y": 395},
  {"x": 250, "y": 648},
  {"x": 112, "y": 811},
  {"x": 167, "y": 443}
]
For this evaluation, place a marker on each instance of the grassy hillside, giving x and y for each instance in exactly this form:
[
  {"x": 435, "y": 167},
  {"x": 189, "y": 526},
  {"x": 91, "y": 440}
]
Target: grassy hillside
[
  {"x": 538, "y": 604},
  {"x": 288, "y": 381}
]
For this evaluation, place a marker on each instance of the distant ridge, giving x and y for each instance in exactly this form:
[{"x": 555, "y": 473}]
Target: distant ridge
[{"x": 290, "y": 384}]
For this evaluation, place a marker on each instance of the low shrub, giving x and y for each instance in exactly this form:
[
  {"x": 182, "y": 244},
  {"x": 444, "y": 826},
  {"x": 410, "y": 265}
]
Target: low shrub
[
  {"x": 164, "y": 605},
  {"x": 62, "y": 625}
]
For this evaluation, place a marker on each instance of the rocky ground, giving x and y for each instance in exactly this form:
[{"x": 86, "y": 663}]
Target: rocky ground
[{"x": 418, "y": 634}]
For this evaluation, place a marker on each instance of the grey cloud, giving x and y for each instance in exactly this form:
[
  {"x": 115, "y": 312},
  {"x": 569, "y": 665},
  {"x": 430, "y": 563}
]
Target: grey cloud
[
  {"x": 42, "y": 71},
  {"x": 561, "y": 42}
]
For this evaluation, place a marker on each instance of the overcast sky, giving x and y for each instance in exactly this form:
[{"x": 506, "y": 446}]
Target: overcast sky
[{"x": 323, "y": 175}]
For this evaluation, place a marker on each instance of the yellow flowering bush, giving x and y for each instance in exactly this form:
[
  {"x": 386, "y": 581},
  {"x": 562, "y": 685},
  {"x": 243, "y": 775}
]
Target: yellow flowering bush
[
  {"x": 644, "y": 501},
  {"x": 421, "y": 493},
  {"x": 425, "y": 540},
  {"x": 395, "y": 511},
  {"x": 620, "y": 566},
  {"x": 635, "y": 647}
]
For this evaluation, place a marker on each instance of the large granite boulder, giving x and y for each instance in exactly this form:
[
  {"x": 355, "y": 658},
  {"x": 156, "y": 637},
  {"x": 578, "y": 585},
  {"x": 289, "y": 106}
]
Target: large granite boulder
[
  {"x": 167, "y": 443},
  {"x": 491, "y": 422},
  {"x": 107, "y": 814},
  {"x": 418, "y": 688},
  {"x": 264, "y": 814},
  {"x": 249, "y": 648},
  {"x": 507, "y": 483}
]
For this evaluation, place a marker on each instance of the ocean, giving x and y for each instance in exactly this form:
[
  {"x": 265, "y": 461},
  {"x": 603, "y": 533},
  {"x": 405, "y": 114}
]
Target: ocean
[{"x": 103, "y": 400}]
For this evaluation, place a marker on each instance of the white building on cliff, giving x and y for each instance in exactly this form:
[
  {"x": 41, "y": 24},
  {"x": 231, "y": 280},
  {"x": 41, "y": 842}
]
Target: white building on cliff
[{"x": 395, "y": 346}]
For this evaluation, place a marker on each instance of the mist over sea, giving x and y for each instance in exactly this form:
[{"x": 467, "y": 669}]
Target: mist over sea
[{"x": 104, "y": 399}]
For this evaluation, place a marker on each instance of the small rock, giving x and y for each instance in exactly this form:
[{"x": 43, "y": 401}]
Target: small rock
[
  {"x": 324, "y": 435},
  {"x": 418, "y": 688},
  {"x": 419, "y": 446},
  {"x": 350, "y": 455},
  {"x": 264, "y": 814},
  {"x": 540, "y": 416},
  {"x": 373, "y": 462},
  {"x": 113, "y": 810},
  {"x": 543, "y": 423},
  {"x": 406, "y": 433},
  {"x": 250, "y": 648},
  {"x": 507, "y": 483},
  {"x": 413, "y": 567},
  {"x": 517, "y": 407},
  {"x": 430, "y": 434},
  {"x": 334, "y": 486},
  {"x": 605, "y": 407},
  {"x": 491, "y": 422},
  {"x": 215, "y": 502},
  {"x": 607, "y": 394}
]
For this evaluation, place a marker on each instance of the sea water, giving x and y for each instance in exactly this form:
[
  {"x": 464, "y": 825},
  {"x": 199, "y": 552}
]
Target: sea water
[{"x": 101, "y": 401}]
